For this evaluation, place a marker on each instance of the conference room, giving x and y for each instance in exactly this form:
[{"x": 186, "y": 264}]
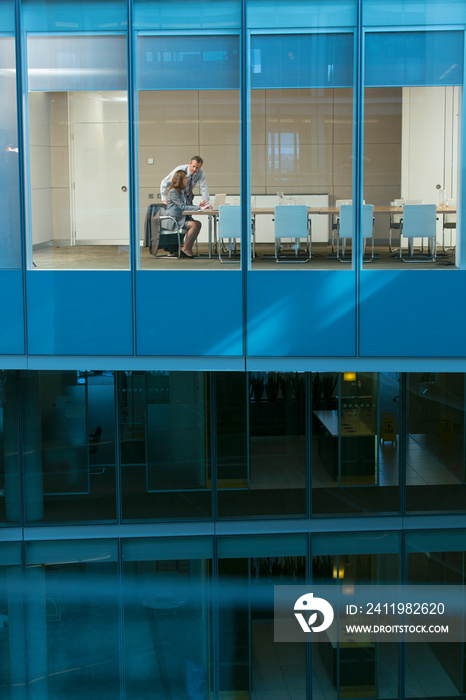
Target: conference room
[{"x": 297, "y": 160}]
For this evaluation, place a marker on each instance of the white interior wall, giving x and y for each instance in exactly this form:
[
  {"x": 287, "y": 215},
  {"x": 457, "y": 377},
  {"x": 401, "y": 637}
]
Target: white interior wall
[
  {"x": 430, "y": 142},
  {"x": 40, "y": 168}
]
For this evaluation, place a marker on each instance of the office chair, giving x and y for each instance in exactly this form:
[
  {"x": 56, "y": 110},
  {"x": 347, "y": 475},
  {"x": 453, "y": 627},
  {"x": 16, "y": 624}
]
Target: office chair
[
  {"x": 229, "y": 229},
  {"x": 345, "y": 228},
  {"x": 292, "y": 222},
  {"x": 395, "y": 225},
  {"x": 419, "y": 221}
]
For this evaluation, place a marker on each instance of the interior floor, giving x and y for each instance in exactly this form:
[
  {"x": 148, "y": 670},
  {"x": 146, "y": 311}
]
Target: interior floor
[
  {"x": 279, "y": 672},
  {"x": 116, "y": 257}
]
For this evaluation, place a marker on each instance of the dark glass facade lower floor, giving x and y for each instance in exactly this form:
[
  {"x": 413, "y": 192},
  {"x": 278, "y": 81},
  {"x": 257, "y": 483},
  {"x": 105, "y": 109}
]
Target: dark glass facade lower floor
[{"x": 147, "y": 516}]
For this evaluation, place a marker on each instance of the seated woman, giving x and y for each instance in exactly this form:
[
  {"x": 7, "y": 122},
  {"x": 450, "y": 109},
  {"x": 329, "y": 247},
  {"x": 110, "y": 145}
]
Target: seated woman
[{"x": 176, "y": 204}]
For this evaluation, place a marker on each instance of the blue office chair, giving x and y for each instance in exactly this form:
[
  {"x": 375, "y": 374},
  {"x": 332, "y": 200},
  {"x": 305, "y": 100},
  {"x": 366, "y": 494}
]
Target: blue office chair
[
  {"x": 419, "y": 221},
  {"x": 345, "y": 228},
  {"x": 229, "y": 229},
  {"x": 292, "y": 222}
]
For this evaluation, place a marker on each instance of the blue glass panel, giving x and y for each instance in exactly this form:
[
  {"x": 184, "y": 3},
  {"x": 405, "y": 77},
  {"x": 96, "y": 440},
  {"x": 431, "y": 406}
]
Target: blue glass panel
[
  {"x": 186, "y": 14},
  {"x": 7, "y": 16},
  {"x": 426, "y": 313},
  {"x": 210, "y": 323},
  {"x": 77, "y": 63},
  {"x": 301, "y": 13},
  {"x": 414, "y": 58},
  {"x": 302, "y": 60},
  {"x": 188, "y": 63},
  {"x": 10, "y": 250},
  {"x": 72, "y": 605},
  {"x": 12, "y": 334},
  {"x": 69, "y": 15},
  {"x": 79, "y": 312},
  {"x": 356, "y": 543},
  {"x": 301, "y": 315},
  {"x": 11, "y": 630},
  {"x": 399, "y": 13}
]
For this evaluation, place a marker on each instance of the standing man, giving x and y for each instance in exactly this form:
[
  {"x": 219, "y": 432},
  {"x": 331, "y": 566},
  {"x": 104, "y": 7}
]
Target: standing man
[{"x": 195, "y": 174}]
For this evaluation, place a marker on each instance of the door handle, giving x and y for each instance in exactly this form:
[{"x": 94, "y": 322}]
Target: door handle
[{"x": 124, "y": 188}]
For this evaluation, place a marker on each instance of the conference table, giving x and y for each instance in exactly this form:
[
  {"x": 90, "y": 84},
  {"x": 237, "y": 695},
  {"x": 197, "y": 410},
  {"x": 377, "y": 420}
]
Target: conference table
[{"x": 212, "y": 215}]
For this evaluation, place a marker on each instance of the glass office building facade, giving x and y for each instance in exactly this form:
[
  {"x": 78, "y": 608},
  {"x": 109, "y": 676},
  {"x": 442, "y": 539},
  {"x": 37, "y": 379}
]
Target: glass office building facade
[{"x": 178, "y": 436}]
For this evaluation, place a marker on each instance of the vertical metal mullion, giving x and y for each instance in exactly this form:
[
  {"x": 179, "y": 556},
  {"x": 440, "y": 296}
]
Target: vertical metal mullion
[
  {"x": 213, "y": 443},
  {"x": 21, "y": 157},
  {"x": 309, "y": 436},
  {"x": 403, "y": 441},
  {"x": 309, "y": 646},
  {"x": 132, "y": 160},
  {"x": 215, "y": 623},
  {"x": 117, "y": 432},
  {"x": 22, "y": 524},
  {"x": 403, "y": 497},
  {"x": 121, "y": 622},
  {"x": 245, "y": 166},
  {"x": 358, "y": 168}
]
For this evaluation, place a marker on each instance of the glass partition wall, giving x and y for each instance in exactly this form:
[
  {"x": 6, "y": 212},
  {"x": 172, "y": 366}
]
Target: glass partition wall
[
  {"x": 78, "y": 152},
  {"x": 10, "y": 246},
  {"x": 412, "y": 134},
  {"x": 301, "y": 149},
  {"x": 189, "y": 120}
]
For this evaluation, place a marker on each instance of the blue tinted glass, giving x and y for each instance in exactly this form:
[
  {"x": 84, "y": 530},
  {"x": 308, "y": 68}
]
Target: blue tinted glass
[
  {"x": 212, "y": 14},
  {"x": 416, "y": 12},
  {"x": 72, "y": 604},
  {"x": 77, "y": 63},
  {"x": 7, "y": 16},
  {"x": 414, "y": 58},
  {"x": 12, "y": 685},
  {"x": 182, "y": 63},
  {"x": 69, "y": 15},
  {"x": 10, "y": 252},
  {"x": 306, "y": 60},
  {"x": 301, "y": 13}
]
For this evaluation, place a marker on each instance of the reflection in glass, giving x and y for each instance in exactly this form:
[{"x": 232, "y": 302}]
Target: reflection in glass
[
  {"x": 436, "y": 558},
  {"x": 301, "y": 140},
  {"x": 72, "y": 606},
  {"x": 250, "y": 661},
  {"x": 435, "y": 466},
  {"x": 355, "y": 458},
  {"x": 165, "y": 444},
  {"x": 10, "y": 250},
  {"x": 9, "y": 483},
  {"x": 412, "y": 107},
  {"x": 12, "y": 655},
  {"x": 78, "y": 152},
  {"x": 345, "y": 669},
  {"x": 273, "y": 480},
  {"x": 167, "y": 606},
  {"x": 68, "y": 438}
]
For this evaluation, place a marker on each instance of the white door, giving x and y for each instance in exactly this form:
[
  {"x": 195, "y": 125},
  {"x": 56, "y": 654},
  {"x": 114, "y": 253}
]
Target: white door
[{"x": 100, "y": 174}]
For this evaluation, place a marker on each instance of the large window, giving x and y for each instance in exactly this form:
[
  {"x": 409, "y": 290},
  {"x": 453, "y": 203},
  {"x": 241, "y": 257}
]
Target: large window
[
  {"x": 72, "y": 613},
  {"x": 435, "y": 453},
  {"x": 301, "y": 147},
  {"x": 78, "y": 152},
  {"x": 189, "y": 119},
  {"x": 356, "y": 426},
  {"x": 10, "y": 246},
  {"x": 412, "y": 134},
  {"x": 169, "y": 645},
  {"x": 165, "y": 445},
  {"x": 69, "y": 446}
]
